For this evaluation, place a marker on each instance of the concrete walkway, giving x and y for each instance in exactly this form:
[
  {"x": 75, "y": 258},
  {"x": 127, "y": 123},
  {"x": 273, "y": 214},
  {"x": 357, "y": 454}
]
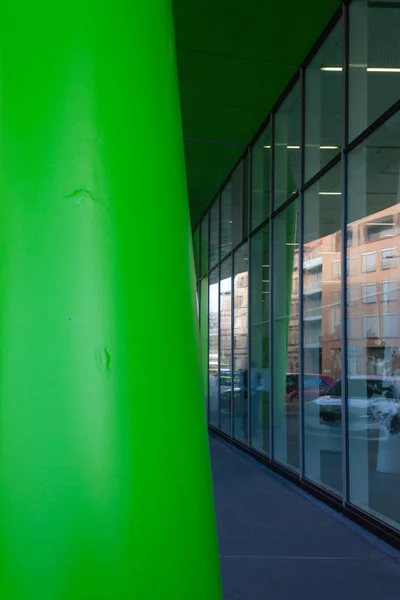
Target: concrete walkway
[{"x": 277, "y": 542}]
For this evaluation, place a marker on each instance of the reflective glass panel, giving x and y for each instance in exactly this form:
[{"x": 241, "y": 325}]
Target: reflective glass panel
[
  {"x": 204, "y": 334},
  {"x": 261, "y": 178},
  {"x": 324, "y": 101},
  {"x": 196, "y": 250},
  {"x": 373, "y": 323},
  {"x": 232, "y": 211},
  {"x": 214, "y": 233},
  {"x": 287, "y": 148},
  {"x": 259, "y": 380},
  {"x": 213, "y": 349},
  {"x": 240, "y": 343},
  {"x": 322, "y": 331},
  {"x": 204, "y": 245},
  {"x": 374, "y": 71},
  {"x": 225, "y": 336},
  {"x": 285, "y": 341}
]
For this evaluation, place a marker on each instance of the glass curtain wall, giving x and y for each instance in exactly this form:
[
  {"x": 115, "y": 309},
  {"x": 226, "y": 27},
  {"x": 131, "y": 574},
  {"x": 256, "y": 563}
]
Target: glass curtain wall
[{"x": 299, "y": 273}]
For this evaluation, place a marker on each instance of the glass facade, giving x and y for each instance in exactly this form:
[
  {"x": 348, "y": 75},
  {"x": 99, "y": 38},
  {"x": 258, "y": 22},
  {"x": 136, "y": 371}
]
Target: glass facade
[{"x": 301, "y": 302}]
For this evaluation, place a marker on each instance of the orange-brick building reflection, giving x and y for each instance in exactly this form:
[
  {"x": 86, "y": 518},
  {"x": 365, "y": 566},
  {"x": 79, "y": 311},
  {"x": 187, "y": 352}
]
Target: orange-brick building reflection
[{"x": 373, "y": 266}]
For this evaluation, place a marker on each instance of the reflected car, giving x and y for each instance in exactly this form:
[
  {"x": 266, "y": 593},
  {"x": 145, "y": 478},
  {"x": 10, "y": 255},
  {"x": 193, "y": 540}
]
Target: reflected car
[
  {"x": 239, "y": 387},
  {"x": 369, "y": 397},
  {"x": 314, "y": 385}
]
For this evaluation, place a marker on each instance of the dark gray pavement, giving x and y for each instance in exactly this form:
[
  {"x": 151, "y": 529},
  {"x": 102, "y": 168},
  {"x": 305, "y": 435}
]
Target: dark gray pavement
[{"x": 277, "y": 542}]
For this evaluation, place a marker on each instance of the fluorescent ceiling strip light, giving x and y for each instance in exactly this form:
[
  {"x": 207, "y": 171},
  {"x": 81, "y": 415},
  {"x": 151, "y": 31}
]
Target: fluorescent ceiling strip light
[
  {"x": 369, "y": 69},
  {"x": 330, "y": 193},
  {"x": 298, "y": 147},
  {"x": 383, "y": 70}
]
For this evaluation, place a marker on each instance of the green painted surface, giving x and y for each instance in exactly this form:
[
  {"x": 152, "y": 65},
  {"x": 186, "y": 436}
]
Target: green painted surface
[
  {"x": 105, "y": 485},
  {"x": 235, "y": 59}
]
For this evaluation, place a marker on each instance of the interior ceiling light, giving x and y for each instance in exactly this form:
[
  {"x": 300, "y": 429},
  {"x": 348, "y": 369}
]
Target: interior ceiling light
[
  {"x": 330, "y": 193},
  {"x": 298, "y": 147},
  {"x": 369, "y": 69},
  {"x": 383, "y": 69}
]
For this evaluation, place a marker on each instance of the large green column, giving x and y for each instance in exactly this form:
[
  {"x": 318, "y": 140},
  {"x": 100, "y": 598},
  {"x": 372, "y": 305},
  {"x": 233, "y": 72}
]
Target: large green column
[{"x": 105, "y": 487}]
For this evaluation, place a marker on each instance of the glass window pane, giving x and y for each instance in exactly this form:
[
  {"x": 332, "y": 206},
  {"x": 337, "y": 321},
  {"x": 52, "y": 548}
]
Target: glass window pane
[
  {"x": 374, "y": 346},
  {"x": 374, "y": 61},
  {"x": 389, "y": 291},
  {"x": 324, "y": 99},
  {"x": 204, "y": 245},
  {"x": 369, "y": 293},
  {"x": 196, "y": 251},
  {"x": 237, "y": 205},
  {"x": 287, "y": 148},
  {"x": 232, "y": 211},
  {"x": 226, "y": 218},
  {"x": 322, "y": 331},
  {"x": 225, "y": 336},
  {"x": 214, "y": 233},
  {"x": 213, "y": 349},
  {"x": 368, "y": 262},
  {"x": 286, "y": 335},
  {"x": 259, "y": 380},
  {"x": 246, "y": 193},
  {"x": 261, "y": 178},
  {"x": 240, "y": 343},
  {"x": 204, "y": 333}
]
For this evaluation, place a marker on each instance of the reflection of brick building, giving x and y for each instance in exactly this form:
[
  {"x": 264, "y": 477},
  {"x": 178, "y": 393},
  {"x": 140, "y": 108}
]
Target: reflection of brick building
[
  {"x": 373, "y": 265},
  {"x": 374, "y": 275},
  {"x": 240, "y": 325}
]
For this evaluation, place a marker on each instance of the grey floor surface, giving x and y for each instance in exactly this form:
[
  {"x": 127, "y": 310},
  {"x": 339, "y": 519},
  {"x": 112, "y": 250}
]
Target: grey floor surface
[{"x": 276, "y": 542}]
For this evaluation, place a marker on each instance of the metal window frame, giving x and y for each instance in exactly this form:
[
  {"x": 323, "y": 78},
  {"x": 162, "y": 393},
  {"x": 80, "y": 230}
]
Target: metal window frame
[
  {"x": 301, "y": 275},
  {"x": 271, "y": 294},
  {"x": 344, "y": 250}
]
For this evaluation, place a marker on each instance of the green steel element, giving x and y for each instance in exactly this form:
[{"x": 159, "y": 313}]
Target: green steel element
[
  {"x": 105, "y": 482},
  {"x": 235, "y": 59}
]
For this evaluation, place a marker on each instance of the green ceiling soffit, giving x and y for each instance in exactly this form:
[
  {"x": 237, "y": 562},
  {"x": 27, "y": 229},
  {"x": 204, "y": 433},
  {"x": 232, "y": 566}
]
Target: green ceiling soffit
[{"x": 235, "y": 58}]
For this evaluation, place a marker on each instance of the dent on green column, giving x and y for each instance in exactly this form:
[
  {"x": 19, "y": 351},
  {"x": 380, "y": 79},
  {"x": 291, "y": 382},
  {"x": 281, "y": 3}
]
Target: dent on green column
[{"x": 105, "y": 487}]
